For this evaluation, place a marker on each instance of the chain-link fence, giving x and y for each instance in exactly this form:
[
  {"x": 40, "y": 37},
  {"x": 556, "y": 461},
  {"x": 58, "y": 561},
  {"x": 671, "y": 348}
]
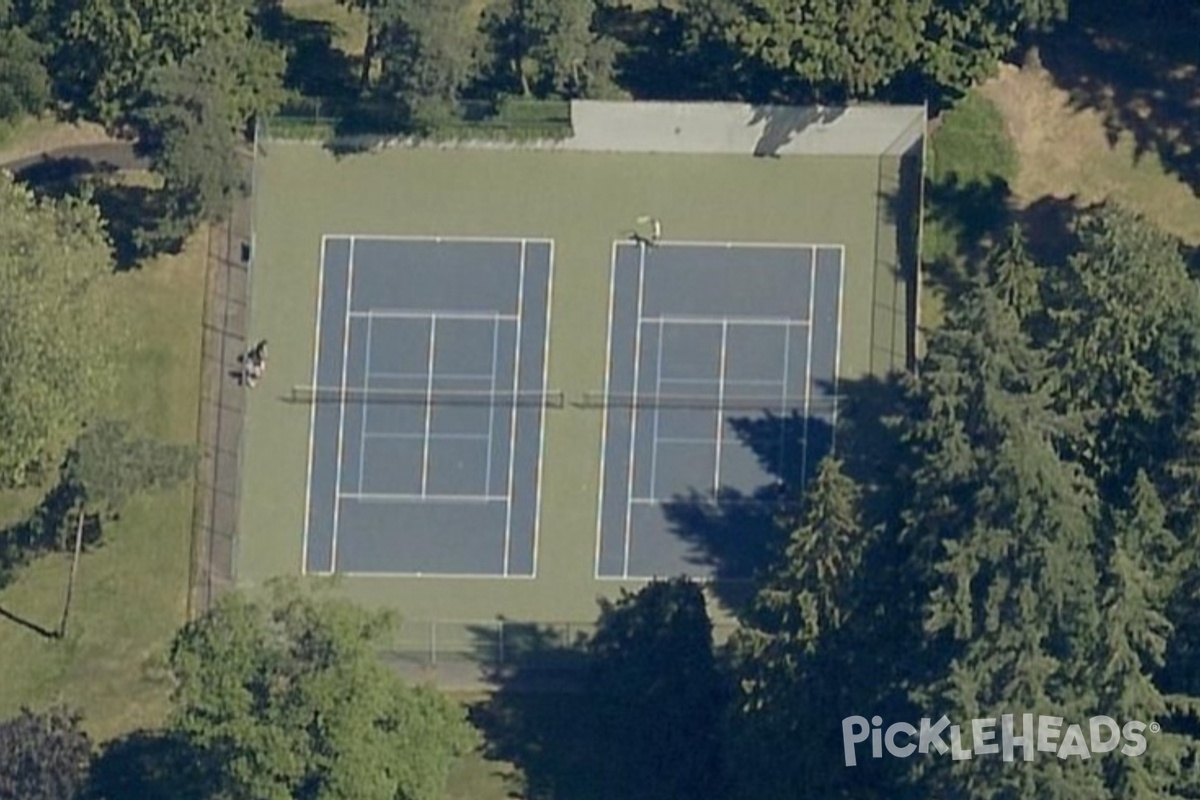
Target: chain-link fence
[
  {"x": 222, "y": 404},
  {"x": 467, "y": 655}
]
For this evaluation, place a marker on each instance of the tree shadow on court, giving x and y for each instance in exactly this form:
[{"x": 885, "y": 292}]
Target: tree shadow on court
[
  {"x": 1136, "y": 63},
  {"x": 642, "y": 716},
  {"x": 781, "y": 124}
]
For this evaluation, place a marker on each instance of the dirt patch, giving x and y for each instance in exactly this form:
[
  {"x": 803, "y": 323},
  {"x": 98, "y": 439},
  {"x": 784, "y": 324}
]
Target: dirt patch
[{"x": 1067, "y": 154}]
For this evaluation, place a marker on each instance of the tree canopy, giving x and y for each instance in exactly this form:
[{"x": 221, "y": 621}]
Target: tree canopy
[
  {"x": 289, "y": 695},
  {"x": 43, "y": 756},
  {"x": 56, "y": 341}
]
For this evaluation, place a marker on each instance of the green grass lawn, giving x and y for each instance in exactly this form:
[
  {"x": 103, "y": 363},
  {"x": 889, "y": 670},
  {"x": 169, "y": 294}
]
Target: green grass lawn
[
  {"x": 972, "y": 164},
  {"x": 131, "y": 593}
]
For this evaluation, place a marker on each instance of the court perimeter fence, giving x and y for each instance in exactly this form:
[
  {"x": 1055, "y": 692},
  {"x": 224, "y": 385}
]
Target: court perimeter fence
[
  {"x": 222, "y": 401},
  {"x": 466, "y": 654},
  {"x": 368, "y": 122}
]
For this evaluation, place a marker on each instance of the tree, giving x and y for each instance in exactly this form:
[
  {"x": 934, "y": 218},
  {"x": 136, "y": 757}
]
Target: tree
[
  {"x": 546, "y": 47},
  {"x": 1126, "y": 339},
  {"x": 428, "y": 50},
  {"x": 24, "y": 82},
  {"x": 791, "y": 655},
  {"x": 43, "y": 756},
  {"x": 832, "y": 49},
  {"x": 288, "y": 694},
  {"x": 837, "y": 47},
  {"x": 55, "y": 336},
  {"x": 658, "y": 697},
  {"x": 112, "y": 46},
  {"x": 192, "y": 124},
  {"x": 1005, "y": 529}
]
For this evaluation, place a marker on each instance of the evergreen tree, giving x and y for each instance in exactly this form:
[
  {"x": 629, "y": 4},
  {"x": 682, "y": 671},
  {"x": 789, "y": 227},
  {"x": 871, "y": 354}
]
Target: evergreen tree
[{"x": 1004, "y": 530}]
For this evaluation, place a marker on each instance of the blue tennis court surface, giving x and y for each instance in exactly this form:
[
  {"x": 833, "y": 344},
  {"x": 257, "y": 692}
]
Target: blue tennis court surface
[
  {"x": 702, "y": 338},
  {"x": 429, "y": 403}
]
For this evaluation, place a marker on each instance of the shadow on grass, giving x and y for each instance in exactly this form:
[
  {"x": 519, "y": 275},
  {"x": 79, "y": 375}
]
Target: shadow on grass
[
  {"x": 28, "y": 625},
  {"x": 1137, "y": 63},
  {"x": 151, "y": 765},
  {"x": 315, "y": 67},
  {"x": 640, "y": 720},
  {"x": 130, "y": 212}
]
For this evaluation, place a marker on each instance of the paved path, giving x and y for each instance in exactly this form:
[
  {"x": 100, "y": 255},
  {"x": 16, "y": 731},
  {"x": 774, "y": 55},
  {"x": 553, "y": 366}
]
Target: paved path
[{"x": 120, "y": 155}]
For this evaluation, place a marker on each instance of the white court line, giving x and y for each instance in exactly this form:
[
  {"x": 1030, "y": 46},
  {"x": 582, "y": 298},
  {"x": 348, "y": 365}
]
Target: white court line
[
  {"x": 726, "y": 245},
  {"x": 812, "y": 295},
  {"x": 445, "y": 376},
  {"x": 428, "y": 403},
  {"x": 487, "y": 480},
  {"x": 783, "y": 402},
  {"x": 633, "y": 421},
  {"x": 512, "y": 434},
  {"x": 467, "y": 316},
  {"x": 477, "y": 437},
  {"x": 312, "y": 421},
  {"x": 658, "y": 378},
  {"x": 837, "y": 355},
  {"x": 388, "y": 237},
  {"x": 337, "y": 506},
  {"x": 697, "y": 440},
  {"x": 612, "y": 291},
  {"x": 702, "y": 319},
  {"x": 537, "y": 514},
  {"x": 715, "y": 381},
  {"x": 366, "y": 411},
  {"x": 720, "y": 403},
  {"x": 378, "y": 497},
  {"x": 446, "y": 576}
]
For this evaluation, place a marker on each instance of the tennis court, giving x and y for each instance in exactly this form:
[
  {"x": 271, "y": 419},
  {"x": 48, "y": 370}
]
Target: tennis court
[
  {"x": 428, "y": 399},
  {"x": 704, "y": 336}
]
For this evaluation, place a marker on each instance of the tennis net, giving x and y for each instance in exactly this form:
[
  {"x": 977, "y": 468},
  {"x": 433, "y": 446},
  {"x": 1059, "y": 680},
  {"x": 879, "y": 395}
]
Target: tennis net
[
  {"x": 778, "y": 405},
  {"x": 421, "y": 397}
]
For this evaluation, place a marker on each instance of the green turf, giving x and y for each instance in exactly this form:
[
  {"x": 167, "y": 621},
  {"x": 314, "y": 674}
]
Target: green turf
[
  {"x": 972, "y": 163},
  {"x": 583, "y": 201},
  {"x": 131, "y": 593}
]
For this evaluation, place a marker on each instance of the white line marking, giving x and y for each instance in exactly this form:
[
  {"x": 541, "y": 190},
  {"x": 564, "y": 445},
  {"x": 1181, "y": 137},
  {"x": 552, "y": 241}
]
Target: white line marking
[
  {"x": 837, "y": 355},
  {"x": 720, "y": 401},
  {"x": 696, "y": 440},
  {"x": 781, "y": 454},
  {"x": 448, "y": 576},
  {"x": 342, "y": 413},
  {"x": 537, "y": 519},
  {"x": 487, "y": 480},
  {"x": 658, "y": 378},
  {"x": 366, "y": 411},
  {"x": 428, "y": 404},
  {"x": 476, "y": 437},
  {"x": 387, "y": 237},
  {"x": 466, "y": 316},
  {"x": 442, "y": 376},
  {"x": 698, "y": 319},
  {"x": 380, "y": 497},
  {"x": 633, "y": 422},
  {"x": 715, "y": 381},
  {"x": 812, "y": 295},
  {"x": 726, "y": 245},
  {"x": 612, "y": 291},
  {"x": 512, "y": 440},
  {"x": 312, "y": 421}
]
